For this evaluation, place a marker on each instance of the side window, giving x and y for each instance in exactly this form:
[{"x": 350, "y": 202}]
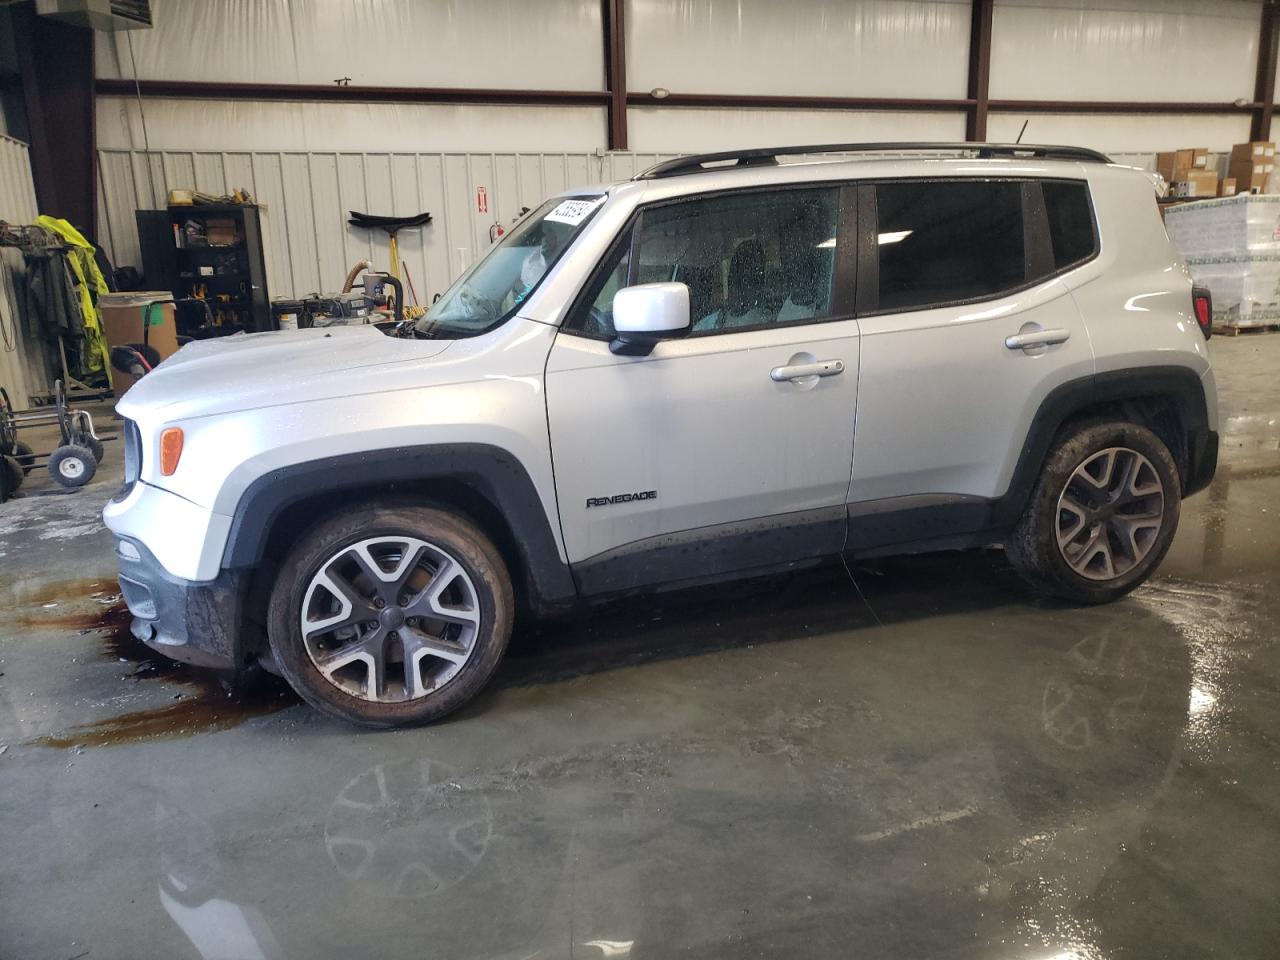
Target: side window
[
  {"x": 1070, "y": 221},
  {"x": 749, "y": 260},
  {"x": 944, "y": 241}
]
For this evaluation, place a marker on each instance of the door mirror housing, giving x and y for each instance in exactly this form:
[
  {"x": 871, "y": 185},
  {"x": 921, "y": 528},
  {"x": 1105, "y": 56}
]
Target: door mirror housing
[{"x": 647, "y": 313}]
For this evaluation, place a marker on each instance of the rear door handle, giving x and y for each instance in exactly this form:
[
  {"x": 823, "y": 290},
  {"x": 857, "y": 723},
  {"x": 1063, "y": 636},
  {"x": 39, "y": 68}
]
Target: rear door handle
[
  {"x": 802, "y": 371},
  {"x": 1036, "y": 338}
]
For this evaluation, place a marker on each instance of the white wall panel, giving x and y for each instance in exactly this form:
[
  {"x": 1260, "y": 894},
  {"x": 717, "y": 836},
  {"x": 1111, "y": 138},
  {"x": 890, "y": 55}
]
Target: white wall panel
[
  {"x": 249, "y": 125},
  {"x": 892, "y": 48},
  {"x": 1123, "y": 133},
  {"x": 1124, "y": 49},
  {"x": 697, "y": 130},
  {"x": 22, "y": 366},
  {"x": 548, "y": 44}
]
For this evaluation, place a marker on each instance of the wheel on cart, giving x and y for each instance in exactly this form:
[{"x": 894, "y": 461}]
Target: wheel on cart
[
  {"x": 8, "y": 431},
  {"x": 93, "y": 445},
  {"x": 13, "y": 473},
  {"x": 23, "y": 453},
  {"x": 72, "y": 465}
]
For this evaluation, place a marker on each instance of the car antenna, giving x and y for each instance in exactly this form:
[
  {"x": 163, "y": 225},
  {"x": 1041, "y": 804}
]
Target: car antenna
[{"x": 1023, "y": 130}]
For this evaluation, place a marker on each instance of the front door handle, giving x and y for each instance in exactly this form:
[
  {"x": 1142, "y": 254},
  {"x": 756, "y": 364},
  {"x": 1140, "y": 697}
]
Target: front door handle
[
  {"x": 803, "y": 371},
  {"x": 1036, "y": 338}
]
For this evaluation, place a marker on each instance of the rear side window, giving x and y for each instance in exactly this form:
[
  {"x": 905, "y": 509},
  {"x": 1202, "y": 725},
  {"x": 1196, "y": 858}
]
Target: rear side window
[
  {"x": 1070, "y": 221},
  {"x": 947, "y": 241}
]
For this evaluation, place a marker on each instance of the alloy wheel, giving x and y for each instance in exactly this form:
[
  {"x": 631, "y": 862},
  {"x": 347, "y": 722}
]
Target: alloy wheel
[
  {"x": 1110, "y": 513},
  {"x": 390, "y": 619}
]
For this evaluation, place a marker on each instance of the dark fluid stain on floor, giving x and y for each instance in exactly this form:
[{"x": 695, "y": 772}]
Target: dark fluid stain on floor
[{"x": 210, "y": 701}]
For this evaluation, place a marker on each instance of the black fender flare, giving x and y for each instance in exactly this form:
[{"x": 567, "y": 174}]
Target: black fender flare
[
  {"x": 1181, "y": 385},
  {"x": 494, "y": 474}
]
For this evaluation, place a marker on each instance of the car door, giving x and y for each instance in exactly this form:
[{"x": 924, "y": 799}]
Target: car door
[
  {"x": 710, "y": 455},
  {"x": 966, "y": 327}
]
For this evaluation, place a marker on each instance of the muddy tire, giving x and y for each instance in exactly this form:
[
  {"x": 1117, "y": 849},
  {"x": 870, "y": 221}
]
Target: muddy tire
[
  {"x": 1102, "y": 514},
  {"x": 389, "y": 616}
]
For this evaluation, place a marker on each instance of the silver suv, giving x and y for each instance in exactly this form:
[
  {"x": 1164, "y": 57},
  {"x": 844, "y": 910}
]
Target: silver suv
[{"x": 724, "y": 367}]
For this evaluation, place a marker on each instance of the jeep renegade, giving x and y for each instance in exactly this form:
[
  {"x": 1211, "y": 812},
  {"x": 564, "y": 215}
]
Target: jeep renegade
[{"x": 723, "y": 367}]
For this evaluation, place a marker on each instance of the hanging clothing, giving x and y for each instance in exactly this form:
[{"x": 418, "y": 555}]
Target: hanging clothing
[{"x": 89, "y": 284}]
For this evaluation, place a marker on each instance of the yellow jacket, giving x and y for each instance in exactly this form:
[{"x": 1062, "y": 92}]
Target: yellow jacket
[{"x": 89, "y": 280}]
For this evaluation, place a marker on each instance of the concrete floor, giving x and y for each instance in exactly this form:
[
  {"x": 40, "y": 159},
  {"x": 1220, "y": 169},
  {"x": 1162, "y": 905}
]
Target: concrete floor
[{"x": 757, "y": 770}]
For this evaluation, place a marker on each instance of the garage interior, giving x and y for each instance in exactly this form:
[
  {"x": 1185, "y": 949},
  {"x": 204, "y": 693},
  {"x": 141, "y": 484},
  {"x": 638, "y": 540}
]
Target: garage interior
[{"x": 909, "y": 757}]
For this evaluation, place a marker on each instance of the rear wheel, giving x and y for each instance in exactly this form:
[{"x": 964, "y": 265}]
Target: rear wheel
[
  {"x": 1102, "y": 514},
  {"x": 390, "y": 616}
]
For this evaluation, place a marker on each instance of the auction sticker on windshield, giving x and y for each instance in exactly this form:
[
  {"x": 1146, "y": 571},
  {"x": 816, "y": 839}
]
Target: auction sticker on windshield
[{"x": 573, "y": 212}]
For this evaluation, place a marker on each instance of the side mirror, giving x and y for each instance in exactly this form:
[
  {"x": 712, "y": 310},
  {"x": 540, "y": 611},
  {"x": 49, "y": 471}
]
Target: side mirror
[{"x": 645, "y": 314}]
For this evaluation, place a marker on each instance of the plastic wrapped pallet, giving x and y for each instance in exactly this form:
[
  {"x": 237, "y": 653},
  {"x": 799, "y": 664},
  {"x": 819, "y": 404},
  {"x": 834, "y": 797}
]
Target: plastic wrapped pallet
[
  {"x": 1232, "y": 246},
  {"x": 1226, "y": 227},
  {"x": 1246, "y": 290}
]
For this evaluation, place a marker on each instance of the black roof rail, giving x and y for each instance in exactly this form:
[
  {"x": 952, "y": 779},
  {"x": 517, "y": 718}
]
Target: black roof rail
[{"x": 768, "y": 156}]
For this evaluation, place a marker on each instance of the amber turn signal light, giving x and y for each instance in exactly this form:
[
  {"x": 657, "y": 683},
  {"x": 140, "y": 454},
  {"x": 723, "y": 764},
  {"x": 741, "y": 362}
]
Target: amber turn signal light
[{"x": 170, "y": 450}]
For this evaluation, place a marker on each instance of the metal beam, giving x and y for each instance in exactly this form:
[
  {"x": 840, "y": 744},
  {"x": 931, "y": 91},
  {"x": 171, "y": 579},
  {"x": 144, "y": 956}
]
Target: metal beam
[
  {"x": 788, "y": 102},
  {"x": 55, "y": 61},
  {"x": 187, "y": 90},
  {"x": 1117, "y": 106},
  {"x": 606, "y": 98},
  {"x": 1264, "y": 88},
  {"x": 975, "y": 127},
  {"x": 615, "y": 71}
]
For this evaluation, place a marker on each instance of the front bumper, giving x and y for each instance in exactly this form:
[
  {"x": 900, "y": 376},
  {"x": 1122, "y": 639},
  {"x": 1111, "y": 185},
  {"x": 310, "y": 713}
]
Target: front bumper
[{"x": 195, "y": 622}]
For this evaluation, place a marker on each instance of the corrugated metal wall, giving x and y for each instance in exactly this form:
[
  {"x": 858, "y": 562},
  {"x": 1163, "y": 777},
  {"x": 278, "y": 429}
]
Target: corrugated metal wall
[
  {"x": 21, "y": 364},
  {"x": 309, "y": 244}
]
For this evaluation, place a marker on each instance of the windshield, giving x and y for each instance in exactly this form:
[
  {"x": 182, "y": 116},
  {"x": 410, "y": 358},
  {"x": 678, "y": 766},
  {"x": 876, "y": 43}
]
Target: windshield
[{"x": 489, "y": 293}]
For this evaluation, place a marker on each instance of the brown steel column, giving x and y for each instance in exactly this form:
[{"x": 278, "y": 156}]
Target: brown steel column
[
  {"x": 55, "y": 61},
  {"x": 615, "y": 72},
  {"x": 1264, "y": 89},
  {"x": 979, "y": 69}
]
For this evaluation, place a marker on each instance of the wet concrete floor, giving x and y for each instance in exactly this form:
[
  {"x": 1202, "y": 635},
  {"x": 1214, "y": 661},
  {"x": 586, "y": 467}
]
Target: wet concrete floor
[{"x": 766, "y": 769}]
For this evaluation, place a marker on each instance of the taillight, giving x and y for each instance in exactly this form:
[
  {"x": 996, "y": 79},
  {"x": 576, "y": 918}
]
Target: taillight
[{"x": 1202, "y": 304}]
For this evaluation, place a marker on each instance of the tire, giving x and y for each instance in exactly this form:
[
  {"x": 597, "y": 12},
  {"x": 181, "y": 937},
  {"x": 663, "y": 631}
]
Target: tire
[
  {"x": 14, "y": 473},
  {"x": 94, "y": 445},
  {"x": 72, "y": 465},
  {"x": 1113, "y": 529},
  {"x": 454, "y": 656},
  {"x": 25, "y": 455}
]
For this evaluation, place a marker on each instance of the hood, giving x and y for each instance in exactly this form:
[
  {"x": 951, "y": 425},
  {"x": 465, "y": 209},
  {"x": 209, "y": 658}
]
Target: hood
[{"x": 246, "y": 371}]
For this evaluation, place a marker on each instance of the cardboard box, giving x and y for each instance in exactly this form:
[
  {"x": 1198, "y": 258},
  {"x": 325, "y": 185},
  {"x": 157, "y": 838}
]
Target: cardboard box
[
  {"x": 220, "y": 232},
  {"x": 1197, "y": 183},
  {"x": 1227, "y": 188},
  {"x": 1251, "y": 164},
  {"x": 122, "y": 315},
  {"x": 1175, "y": 165}
]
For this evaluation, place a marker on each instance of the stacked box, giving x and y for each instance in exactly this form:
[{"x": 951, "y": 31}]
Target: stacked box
[
  {"x": 1251, "y": 164},
  {"x": 1232, "y": 246}
]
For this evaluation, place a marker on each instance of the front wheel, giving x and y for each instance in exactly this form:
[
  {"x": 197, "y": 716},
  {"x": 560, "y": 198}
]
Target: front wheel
[
  {"x": 391, "y": 616},
  {"x": 1102, "y": 514}
]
